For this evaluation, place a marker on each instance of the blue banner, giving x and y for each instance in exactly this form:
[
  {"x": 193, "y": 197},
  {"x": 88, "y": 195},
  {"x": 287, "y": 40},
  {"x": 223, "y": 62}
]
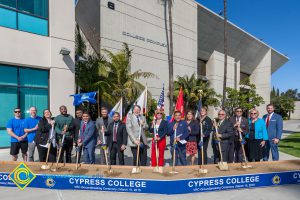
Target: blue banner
[{"x": 73, "y": 182}]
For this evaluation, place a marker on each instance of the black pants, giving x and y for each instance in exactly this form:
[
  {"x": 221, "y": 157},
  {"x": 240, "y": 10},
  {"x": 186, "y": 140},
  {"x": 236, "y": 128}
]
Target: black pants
[
  {"x": 43, "y": 153},
  {"x": 224, "y": 150},
  {"x": 67, "y": 150},
  {"x": 205, "y": 145},
  {"x": 142, "y": 156},
  {"x": 116, "y": 149},
  {"x": 238, "y": 151},
  {"x": 231, "y": 149}
]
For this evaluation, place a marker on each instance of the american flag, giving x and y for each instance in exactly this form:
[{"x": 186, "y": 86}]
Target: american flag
[{"x": 161, "y": 101}]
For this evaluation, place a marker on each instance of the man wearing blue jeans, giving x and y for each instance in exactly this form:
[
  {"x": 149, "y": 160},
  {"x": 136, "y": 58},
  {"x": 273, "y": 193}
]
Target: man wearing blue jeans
[
  {"x": 274, "y": 125},
  {"x": 31, "y": 124},
  {"x": 180, "y": 127}
]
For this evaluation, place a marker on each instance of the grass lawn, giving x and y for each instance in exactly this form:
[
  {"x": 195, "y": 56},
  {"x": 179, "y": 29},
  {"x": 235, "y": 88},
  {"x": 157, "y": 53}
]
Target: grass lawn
[{"x": 291, "y": 145}]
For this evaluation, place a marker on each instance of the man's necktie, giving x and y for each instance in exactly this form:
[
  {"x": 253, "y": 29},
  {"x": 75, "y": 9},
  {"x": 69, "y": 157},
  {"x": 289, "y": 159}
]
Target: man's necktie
[
  {"x": 138, "y": 120},
  {"x": 83, "y": 129},
  {"x": 115, "y": 132},
  {"x": 268, "y": 120}
]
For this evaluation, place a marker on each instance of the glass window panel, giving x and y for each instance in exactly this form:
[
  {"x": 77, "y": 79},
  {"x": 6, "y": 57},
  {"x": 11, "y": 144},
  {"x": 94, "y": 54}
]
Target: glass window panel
[
  {"x": 33, "y": 97},
  {"x": 8, "y": 18},
  {"x": 32, "y": 24},
  {"x": 9, "y": 101},
  {"x": 35, "y": 7},
  {"x": 8, "y": 3},
  {"x": 33, "y": 77},
  {"x": 4, "y": 139},
  {"x": 8, "y": 75}
]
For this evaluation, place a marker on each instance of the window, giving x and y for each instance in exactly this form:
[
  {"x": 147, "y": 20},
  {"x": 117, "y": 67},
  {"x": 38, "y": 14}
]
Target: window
[
  {"x": 25, "y": 15},
  {"x": 21, "y": 87}
]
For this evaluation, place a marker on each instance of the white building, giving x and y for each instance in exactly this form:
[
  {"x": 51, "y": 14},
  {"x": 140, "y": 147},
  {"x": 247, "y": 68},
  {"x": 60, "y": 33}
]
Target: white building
[
  {"x": 198, "y": 42},
  {"x": 33, "y": 72}
]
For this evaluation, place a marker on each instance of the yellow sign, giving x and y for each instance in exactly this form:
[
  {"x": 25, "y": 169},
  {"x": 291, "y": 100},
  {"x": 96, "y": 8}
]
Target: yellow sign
[{"x": 22, "y": 176}]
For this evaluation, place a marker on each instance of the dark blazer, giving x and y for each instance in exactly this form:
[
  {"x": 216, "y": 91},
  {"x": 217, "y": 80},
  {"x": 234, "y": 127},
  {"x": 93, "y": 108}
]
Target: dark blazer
[
  {"x": 76, "y": 128},
  {"x": 226, "y": 130},
  {"x": 122, "y": 135},
  {"x": 43, "y": 131},
  {"x": 162, "y": 129},
  {"x": 89, "y": 136},
  {"x": 207, "y": 127},
  {"x": 195, "y": 130},
  {"x": 244, "y": 125},
  {"x": 182, "y": 129}
]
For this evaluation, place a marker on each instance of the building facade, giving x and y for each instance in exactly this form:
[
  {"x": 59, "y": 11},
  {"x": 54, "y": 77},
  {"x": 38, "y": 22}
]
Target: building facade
[
  {"x": 198, "y": 43},
  {"x": 33, "y": 69}
]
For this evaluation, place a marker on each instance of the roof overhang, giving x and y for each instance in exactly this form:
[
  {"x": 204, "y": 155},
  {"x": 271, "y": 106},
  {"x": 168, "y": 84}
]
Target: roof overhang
[{"x": 242, "y": 46}]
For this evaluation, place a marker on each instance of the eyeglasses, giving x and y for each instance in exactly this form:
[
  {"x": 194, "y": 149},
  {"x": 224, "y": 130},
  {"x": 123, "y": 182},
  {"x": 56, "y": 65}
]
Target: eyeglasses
[
  {"x": 239, "y": 111},
  {"x": 253, "y": 113},
  {"x": 159, "y": 113},
  {"x": 17, "y": 111},
  {"x": 221, "y": 114}
]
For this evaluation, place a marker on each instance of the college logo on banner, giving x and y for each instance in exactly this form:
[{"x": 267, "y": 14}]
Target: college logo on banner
[
  {"x": 22, "y": 176},
  {"x": 276, "y": 180},
  {"x": 50, "y": 182}
]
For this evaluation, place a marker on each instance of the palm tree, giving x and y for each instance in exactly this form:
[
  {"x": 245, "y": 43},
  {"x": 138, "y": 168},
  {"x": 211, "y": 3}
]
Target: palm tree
[
  {"x": 191, "y": 89},
  {"x": 123, "y": 82},
  {"x": 169, "y": 38},
  {"x": 225, "y": 54}
]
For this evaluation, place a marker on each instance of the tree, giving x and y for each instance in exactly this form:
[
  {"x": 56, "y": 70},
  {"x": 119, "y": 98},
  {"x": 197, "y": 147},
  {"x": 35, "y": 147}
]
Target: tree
[
  {"x": 191, "y": 87},
  {"x": 245, "y": 98},
  {"x": 169, "y": 38},
  {"x": 284, "y": 103},
  {"x": 122, "y": 81}
]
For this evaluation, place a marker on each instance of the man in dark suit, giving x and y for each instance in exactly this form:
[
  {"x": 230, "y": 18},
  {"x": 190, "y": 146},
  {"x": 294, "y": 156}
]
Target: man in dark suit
[
  {"x": 88, "y": 138},
  {"x": 116, "y": 139},
  {"x": 240, "y": 124},
  {"x": 223, "y": 135},
  {"x": 274, "y": 125}
]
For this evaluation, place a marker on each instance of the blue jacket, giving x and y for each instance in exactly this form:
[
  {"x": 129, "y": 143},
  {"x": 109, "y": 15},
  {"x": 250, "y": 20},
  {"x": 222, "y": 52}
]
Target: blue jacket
[
  {"x": 260, "y": 129},
  {"x": 182, "y": 129},
  {"x": 89, "y": 136},
  {"x": 162, "y": 129},
  {"x": 275, "y": 126}
]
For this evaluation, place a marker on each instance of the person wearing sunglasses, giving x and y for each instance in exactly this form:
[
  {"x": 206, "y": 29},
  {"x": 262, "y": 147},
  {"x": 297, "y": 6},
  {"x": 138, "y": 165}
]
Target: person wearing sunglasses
[
  {"x": 15, "y": 128},
  {"x": 257, "y": 136},
  {"x": 223, "y": 134},
  {"x": 159, "y": 129},
  {"x": 240, "y": 124}
]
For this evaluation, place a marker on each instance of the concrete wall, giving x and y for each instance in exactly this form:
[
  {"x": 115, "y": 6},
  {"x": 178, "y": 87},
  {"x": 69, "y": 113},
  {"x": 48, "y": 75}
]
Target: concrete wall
[
  {"x": 296, "y": 113},
  {"x": 261, "y": 77},
  {"x": 145, "y": 19},
  {"x": 31, "y": 50}
]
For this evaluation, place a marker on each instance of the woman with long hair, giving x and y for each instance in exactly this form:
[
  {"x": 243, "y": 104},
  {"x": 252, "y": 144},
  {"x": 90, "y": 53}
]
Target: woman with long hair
[{"x": 193, "y": 127}]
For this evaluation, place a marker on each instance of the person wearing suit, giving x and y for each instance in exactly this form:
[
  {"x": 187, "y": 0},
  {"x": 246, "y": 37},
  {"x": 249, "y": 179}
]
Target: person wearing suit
[
  {"x": 207, "y": 126},
  {"x": 88, "y": 138},
  {"x": 116, "y": 139},
  {"x": 135, "y": 125},
  {"x": 240, "y": 124},
  {"x": 76, "y": 125},
  {"x": 182, "y": 132},
  {"x": 274, "y": 125},
  {"x": 102, "y": 125},
  {"x": 193, "y": 126},
  {"x": 160, "y": 129},
  {"x": 223, "y": 135},
  {"x": 257, "y": 136}
]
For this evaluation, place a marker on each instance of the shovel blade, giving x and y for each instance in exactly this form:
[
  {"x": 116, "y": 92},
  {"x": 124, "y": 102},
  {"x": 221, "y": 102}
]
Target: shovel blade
[
  {"x": 45, "y": 167},
  {"x": 203, "y": 171},
  {"x": 155, "y": 170},
  {"x": 136, "y": 170},
  {"x": 223, "y": 166}
]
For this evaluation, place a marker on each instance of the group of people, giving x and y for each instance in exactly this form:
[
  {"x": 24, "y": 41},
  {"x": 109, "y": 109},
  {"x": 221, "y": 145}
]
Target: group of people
[{"x": 187, "y": 136}]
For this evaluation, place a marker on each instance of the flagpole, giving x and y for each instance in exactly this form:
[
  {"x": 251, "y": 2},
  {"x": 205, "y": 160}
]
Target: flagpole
[
  {"x": 146, "y": 100},
  {"x": 98, "y": 102},
  {"x": 121, "y": 114}
]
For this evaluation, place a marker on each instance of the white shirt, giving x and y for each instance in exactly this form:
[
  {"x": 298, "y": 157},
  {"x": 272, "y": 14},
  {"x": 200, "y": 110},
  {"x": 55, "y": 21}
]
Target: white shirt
[{"x": 270, "y": 116}]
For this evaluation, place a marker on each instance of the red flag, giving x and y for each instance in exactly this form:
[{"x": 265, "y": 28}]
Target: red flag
[{"x": 179, "y": 104}]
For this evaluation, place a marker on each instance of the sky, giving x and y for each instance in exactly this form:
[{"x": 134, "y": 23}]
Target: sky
[{"x": 277, "y": 22}]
